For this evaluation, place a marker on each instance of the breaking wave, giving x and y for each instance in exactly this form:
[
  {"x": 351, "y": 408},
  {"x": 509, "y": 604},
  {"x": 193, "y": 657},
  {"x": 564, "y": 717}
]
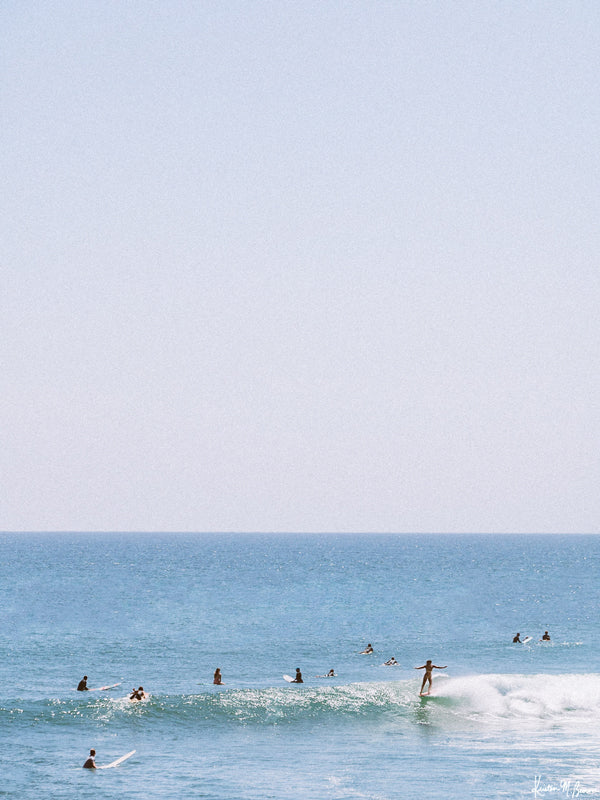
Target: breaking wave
[{"x": 490, "y": 699}]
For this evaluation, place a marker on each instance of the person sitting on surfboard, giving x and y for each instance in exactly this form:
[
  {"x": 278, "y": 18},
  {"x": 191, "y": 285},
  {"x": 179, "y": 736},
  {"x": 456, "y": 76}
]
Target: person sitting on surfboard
[
  {"x": 82, "y": 685},
  {"x": 428, "y": 666},
  {"x": 217, "y": 677},
  {"x": 298, "y": 678},
  {"x": 517, "y": 638},
  {"x": 545, "y": 637},
  {"x": 137, "y": 694},
  {"x": 367, "y": 651},
  {"x": 91, "y": 763}
]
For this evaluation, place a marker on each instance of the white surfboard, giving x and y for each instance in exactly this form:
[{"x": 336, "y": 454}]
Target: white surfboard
[
  {"x": 104, "y": 688},
  {"x": 526, "y": 639},
  {"x": 117, "y": 762},
  {"x": 289, "y": 679}
]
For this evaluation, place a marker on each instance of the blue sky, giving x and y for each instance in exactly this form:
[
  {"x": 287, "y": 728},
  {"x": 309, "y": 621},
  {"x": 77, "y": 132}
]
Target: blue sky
[{"x": 275, "y": 266}]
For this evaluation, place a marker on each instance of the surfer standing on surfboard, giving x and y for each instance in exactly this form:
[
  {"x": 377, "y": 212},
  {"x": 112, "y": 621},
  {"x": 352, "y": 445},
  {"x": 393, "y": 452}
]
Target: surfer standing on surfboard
[
  {"x": 91, "y": 761},
  {"x": 428, "y": 666}
]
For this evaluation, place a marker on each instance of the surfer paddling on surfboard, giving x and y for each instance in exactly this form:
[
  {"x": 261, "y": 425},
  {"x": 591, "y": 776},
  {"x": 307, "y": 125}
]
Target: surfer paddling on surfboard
[
  {"x": 428, "y": 667},
  {"x": 367, "y": 651}
]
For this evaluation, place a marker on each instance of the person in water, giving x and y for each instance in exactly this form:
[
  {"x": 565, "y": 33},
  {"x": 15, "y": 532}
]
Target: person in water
[
  {"x": 545, "y": 637},
  {"x": 517, "y": 638},
  {"x": 91, "y": 760},
  {"x": 137, "y": 694},
  {"x": 82, "y": 685},
  {"x": 217, "y": 677},
  {"x": 298, "y": 678},
  {"x": 391, "y": 662},
  {"x": 428, "y": 667},
  {"x": 330, "y": 674},
  {"x": 367, "y": 651}
]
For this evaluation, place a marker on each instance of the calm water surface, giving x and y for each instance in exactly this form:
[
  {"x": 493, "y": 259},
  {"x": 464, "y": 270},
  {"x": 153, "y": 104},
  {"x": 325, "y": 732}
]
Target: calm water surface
[{"x": 506, "y": 720}]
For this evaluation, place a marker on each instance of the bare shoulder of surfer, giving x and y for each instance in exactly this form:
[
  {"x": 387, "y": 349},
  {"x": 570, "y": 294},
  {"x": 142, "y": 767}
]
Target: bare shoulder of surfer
[{"x": 91, "y": 760}]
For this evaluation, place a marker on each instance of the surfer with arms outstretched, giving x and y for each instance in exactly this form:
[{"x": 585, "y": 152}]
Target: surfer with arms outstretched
[{"x": 428, "y": 667}]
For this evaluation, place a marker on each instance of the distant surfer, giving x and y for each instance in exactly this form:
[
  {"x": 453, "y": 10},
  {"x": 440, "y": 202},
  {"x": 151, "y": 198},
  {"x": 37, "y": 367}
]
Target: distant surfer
[
  {"x": 91, "y": 761},
  {"x": 137, "y": 694},
  {"x": 330, "y": 674},
  {"x": 391, "y": 662},
  {"x": 545, "y": 637},
  {"x": 82, "y": 685},
  {"x": 298, "y": 678},
  {"x": 428, "y": 667},
  {"x": 367, "y": 651},
  {"x": 517, "y": 638},
  {"x": 217, "y": 677}
]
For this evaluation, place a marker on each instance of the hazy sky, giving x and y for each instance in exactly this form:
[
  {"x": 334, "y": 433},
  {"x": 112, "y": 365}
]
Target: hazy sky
[{"x": 300, "y": 266}]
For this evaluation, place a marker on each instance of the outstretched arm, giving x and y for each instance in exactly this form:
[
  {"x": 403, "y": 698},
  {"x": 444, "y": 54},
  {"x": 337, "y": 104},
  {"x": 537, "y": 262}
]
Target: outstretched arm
[
  {"x": 435, "y": 667},
  {"x": 423, "y": 667}
]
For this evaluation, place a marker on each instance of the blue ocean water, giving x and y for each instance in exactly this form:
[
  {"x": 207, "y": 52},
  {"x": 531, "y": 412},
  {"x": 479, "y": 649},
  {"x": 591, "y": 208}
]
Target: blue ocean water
[{"x": 163, "y": 611}]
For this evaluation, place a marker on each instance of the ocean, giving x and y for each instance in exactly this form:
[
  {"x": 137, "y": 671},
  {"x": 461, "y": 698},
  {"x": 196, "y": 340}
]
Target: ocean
[{"x": 504, "y": 720}]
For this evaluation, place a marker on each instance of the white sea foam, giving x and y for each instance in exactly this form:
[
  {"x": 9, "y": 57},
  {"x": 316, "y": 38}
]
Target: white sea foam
[{"x": 546, "y": 698}]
